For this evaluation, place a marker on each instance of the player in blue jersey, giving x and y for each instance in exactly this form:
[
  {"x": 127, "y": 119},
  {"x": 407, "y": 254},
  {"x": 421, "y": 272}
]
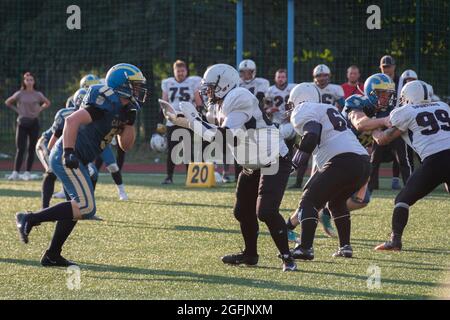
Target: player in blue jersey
[
  {"x": 47, "y": 141},
  {"x": 378, "y": 103},
  {"x": 108, "y": 110}
]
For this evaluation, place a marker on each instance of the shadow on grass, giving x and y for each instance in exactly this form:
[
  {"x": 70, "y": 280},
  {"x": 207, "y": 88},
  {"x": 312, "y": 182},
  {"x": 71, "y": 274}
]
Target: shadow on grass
[
  {"x": 130, "y": 273},
  {"x": 19, "y": 193}
]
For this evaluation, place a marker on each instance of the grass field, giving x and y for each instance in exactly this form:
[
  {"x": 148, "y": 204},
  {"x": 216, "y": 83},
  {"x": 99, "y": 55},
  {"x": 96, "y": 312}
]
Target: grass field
[{"x": 166, "y": 243}]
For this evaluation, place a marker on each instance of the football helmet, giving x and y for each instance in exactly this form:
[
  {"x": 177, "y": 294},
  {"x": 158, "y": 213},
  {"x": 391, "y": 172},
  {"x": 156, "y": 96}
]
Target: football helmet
[
  {"x": 128, "y": 82},
  {"x": 250, "y": 65},
  {"x": 415, "y": 92},
  {"x": 375, "y": 85},
  {"x": 89, "y": 80},
  {"x": 409, "y": 74},
  {"x": 77, "y": 98},
  {"x": 303, "y": 92},
  {"x": 321, "y": 75},
  {"x": 218, "y": 80}
]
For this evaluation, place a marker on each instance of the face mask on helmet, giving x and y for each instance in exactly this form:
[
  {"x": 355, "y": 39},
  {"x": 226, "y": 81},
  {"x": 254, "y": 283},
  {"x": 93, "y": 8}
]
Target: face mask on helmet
[
  {"x": 322, "y": 79},
  {"x": 385, "y": 98}
]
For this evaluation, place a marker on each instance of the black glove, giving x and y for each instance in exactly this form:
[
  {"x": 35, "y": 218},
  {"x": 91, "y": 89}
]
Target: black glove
[
  {"x": 70, "y": 158},
  {"x": 128, "y": 115}
]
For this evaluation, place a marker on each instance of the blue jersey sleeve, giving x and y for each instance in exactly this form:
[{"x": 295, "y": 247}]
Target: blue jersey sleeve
[
  {"x": 359, "y": 103},
  {"x": 101, "y": 97}
]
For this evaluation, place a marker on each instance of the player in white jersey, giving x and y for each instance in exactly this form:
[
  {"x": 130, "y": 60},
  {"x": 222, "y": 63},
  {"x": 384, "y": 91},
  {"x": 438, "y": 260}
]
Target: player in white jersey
[
  {"x": 329, "y": 93},
  {"x": 249, "y": 81},
  {"x": 408, "y": 76},
  {"x": 176, "y": 89},
  {"x": 277, "y": 97},
  {"x": 425, "y": 126},
  {"x": 258, "y": 192},
  {"x": 343, "y": 164}
]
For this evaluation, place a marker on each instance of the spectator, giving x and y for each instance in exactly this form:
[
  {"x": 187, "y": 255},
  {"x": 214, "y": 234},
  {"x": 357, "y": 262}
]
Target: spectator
[
  {"x": 28, "y": 104},
  {"x": 353, "y": 85}
]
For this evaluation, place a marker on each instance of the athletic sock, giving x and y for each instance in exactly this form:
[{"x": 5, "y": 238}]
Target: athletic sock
[
  {"x": 117, "y": 177},
  {"x": 400, "y": 219},
  {"x": 60, "y": 211},
  {"x": 343, "y": 226},
  {"x": 62, "y": 231},
  {"x": 250, "y": 235},
  {"x": 48, "y": 187},
  {"x": 278, "y": 231}
]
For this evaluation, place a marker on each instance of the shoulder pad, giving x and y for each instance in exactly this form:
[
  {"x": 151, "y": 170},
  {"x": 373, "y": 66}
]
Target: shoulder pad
[
  {"x": 100, "y": 96},
  {"x": 239, "y": 100}
]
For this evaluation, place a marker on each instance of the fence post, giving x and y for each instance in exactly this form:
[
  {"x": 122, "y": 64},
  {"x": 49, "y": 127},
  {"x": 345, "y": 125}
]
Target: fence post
[
  {"x": 290, "y": 40},
  {"x": 239, "y": 31},
  {"x": 418, "y": 37}
]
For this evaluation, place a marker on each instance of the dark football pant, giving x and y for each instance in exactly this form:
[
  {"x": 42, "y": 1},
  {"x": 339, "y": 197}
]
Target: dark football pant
[
  {"x": 434, "y": 171},
  {"x": 399, "y": 149},
  {"x": 338, "y": 180},
  {"x": 260, "y": 196}
]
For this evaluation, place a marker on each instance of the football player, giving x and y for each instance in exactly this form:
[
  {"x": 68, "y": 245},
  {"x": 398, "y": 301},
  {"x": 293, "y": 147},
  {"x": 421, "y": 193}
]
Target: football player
[
  {"x": 362, "y": 126},
  {"x": 109, "y": 110},
  {"x": 248, "y": 80},
  {"x": 425, "y": 126},
  {"x": 275, "y": 106},
  {"x": 343, "y": 164},
  {"x": 46, "y": 143},
  {"x": 380, "y": 92},
  {"x": 329, "y": 94},
  {"x": 258, "y": 193},
  {"x": 180, "y": 87},
  {"x": 85, "y": 82},
  {"x": 408, "y": 76}
]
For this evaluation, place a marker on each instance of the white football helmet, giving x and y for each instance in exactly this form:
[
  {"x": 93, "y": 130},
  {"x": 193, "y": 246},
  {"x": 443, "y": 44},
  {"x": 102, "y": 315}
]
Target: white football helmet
[
  {"x": 409, "y": 74},
  {"x": 303, "y": 92},
  {"x": 248, "y": 64},
  {"x": 221, "y": 79},
  {"x": 158, "y": 142},
  {"x": 321, "y": 69},
  {"x": 415, "y": 92}
]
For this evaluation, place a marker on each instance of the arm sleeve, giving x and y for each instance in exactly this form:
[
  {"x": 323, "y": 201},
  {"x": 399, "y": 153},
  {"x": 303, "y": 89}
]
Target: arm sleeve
[{"x": 235, "y": 120}]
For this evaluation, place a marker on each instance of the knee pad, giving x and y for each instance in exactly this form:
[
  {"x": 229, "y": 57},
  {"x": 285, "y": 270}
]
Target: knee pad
[
  {"x": 93, "y": 173},
  {"x": 113, "y": 168}
]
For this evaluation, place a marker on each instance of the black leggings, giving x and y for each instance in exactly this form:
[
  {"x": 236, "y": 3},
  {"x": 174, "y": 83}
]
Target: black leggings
[{"x": 26, "y": 134}]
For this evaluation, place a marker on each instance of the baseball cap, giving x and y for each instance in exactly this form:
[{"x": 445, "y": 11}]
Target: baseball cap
[{"x": 387, "y": 61}]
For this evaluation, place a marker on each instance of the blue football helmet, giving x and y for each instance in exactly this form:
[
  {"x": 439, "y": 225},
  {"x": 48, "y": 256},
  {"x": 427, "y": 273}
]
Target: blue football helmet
[
  {"x": 89, "y": 80},
  {"x": 377, "y": 83},
  {"x": 127, "y": 81},
  {"x": 77, "y": 98}
]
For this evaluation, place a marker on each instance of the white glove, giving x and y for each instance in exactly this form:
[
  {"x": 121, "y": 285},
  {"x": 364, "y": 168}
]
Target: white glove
[{"x": 189, "y": 111}]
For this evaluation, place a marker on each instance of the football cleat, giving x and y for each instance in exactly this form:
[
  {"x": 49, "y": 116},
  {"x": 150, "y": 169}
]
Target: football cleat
[
  {"x": 327, "y": 226},
  {"x": 226, "y": 179},
  {"x": 13, "y": 176},
  {"x": 396, "y": 184},
  {"x": 122, "y": 194},
  {"x": 303, "y": 254},
  {"x": 55, "y": 260},
  {"x": 345, "y": 252},
  {"x": 240, "y": 258},
  {"x": 23, "y": 225},
  {"x": 26, "y": 176},
  {"x": 395, "y": 244},
  {"x": 288, "y": 262},
  {"x": 167, "y": 181}
]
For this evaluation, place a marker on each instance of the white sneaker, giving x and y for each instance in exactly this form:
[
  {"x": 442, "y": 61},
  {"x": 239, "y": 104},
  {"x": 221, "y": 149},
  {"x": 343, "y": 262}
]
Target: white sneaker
[
  {"x": 13, "y": 176},
  {"x": 122, "y": 194},
  {"x": 26, "y": 176},
  {"x": 59, "y": 195}
]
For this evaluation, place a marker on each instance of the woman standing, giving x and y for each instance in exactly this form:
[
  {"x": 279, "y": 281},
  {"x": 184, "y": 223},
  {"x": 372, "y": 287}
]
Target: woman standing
[{"x": 28, "y": 104}]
